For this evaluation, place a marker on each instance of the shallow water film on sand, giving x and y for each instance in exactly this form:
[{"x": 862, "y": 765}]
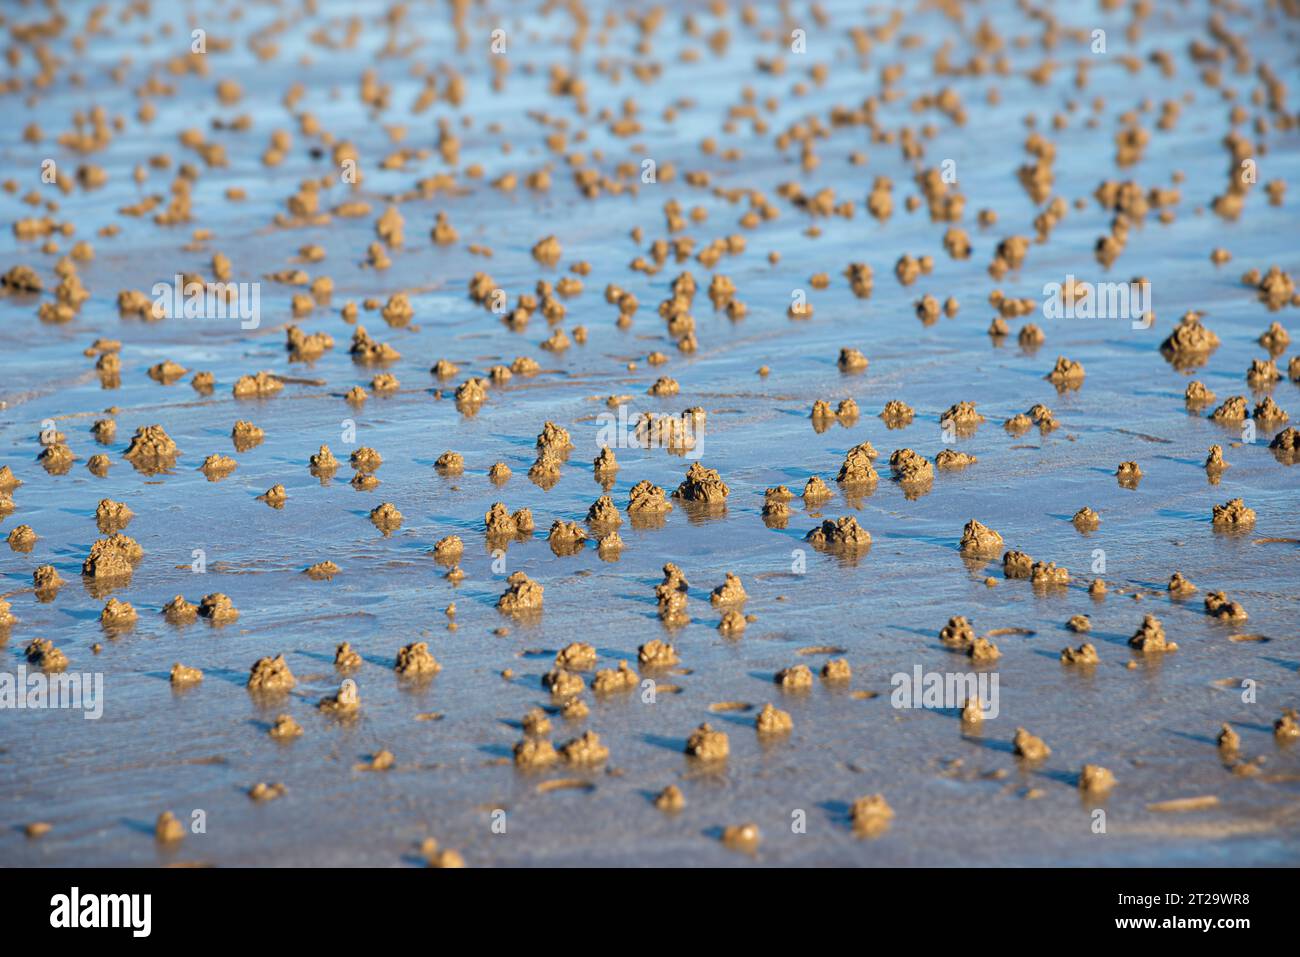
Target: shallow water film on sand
[{"x": 604, "y": 433}]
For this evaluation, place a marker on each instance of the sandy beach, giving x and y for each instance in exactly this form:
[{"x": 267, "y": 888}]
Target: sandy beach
[{"x": 804, "y": 290}]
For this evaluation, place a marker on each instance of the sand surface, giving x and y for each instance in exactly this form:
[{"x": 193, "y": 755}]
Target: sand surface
[{"x": 959, "y": 799}]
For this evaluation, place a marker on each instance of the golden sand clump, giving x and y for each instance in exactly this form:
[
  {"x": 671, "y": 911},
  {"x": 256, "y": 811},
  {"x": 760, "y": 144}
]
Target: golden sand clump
[
  {"x": 708, "y": 744},
  {"x": 1029, "y": 747},
  {"x": 414, "y": 660},
  {"x": 871, "y": 815},
  {"x": 522, "y": 594},
  {"x": 646, "y": 498},
  {"x": 151, "y": 449},
  {"x": 978, "y": 540},
  {"x": 271, "y": 675},
  {"x": 1233, "y": 514},
  {"x": 112, "y": 557},
  {"x": 703, "y": 485},
  {"x": 42, "y": 653},
  {"x": 857, "y": 468},
  {"x": 1150, "y": 636},
  {"x": 842, "y": 533}
]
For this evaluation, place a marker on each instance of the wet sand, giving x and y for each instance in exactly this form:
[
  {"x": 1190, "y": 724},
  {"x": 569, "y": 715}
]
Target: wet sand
[{"x": 959, "y": 796}]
